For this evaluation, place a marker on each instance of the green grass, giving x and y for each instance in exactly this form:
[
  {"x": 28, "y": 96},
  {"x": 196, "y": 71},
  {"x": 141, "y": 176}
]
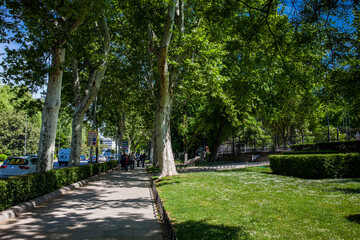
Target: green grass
[{"x": 254, "y": 204}]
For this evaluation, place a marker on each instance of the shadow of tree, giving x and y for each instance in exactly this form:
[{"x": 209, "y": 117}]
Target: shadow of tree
[
  {"x": 203, "y": 230},
  {"x": 354, "y": 218},
  {"x": 118, "y": 206},
  {"x": 347, "y": 190}
]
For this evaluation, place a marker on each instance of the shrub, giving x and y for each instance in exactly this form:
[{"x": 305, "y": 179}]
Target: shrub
[
  {"x": 3, "y": 157},
  {"x": 310, "y": 152},
  {"x": 18, "y": 189},
  {"x": 344, "y": 147},
  {"x": 317, "y": 165}
]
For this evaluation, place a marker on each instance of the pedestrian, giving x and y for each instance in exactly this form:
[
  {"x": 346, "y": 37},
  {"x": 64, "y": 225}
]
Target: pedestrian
[
  {"x": 143, "y": 157},
  {"x": 132, "y": 160},
  {"x": 138, "y": 159},
  {"x": 123, "y": 161}
]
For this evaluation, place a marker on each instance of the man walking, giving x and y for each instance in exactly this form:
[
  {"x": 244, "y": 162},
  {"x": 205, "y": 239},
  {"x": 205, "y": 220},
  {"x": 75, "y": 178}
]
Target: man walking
[{"x": 132, "y": 161}]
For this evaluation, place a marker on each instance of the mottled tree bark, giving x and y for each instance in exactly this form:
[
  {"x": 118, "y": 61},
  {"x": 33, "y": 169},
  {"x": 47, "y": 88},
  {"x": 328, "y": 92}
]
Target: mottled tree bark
[{"x": 50, "y": 112}]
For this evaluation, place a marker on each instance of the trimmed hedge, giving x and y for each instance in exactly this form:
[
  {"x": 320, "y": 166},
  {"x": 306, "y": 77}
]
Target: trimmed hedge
[
  {"x": 19, "y": 189},
  {"x": 317, "y": 165},
  {"x": 344, "y": 147},
  {"x": 310, "y": 152}
]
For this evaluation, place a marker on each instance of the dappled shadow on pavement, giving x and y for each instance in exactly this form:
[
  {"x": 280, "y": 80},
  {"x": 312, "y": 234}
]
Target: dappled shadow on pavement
[{"x": 118, "y": 206}]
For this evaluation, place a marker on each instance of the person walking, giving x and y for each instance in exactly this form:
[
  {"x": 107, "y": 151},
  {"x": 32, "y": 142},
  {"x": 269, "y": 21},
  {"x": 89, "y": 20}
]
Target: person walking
[
  {"x": 123, "y": 162},
  {"x": 132, "y": 160},
  {"x": 142, "y": 159},
  {"x": 138, "y": 159}
]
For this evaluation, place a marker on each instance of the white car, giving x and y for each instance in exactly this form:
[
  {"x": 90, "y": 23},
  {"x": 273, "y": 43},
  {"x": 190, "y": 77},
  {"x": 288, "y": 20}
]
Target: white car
[
  {"x": 101, "y": 158},
  {"x": 18, "y": 166}
]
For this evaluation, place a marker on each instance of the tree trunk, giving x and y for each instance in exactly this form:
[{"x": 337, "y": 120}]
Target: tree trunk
[
  {"x": 164, "y": 153},
  {"x": 163, "y": 149},
  {"x": 93, "y": 128},
  {"x": 153, "y": 144},
  {"x": 82, "y": 104},
  {"x": 76, "y": 140},
  {"x": 50, "y": 113},
  {"x": 217, "y": 142}
]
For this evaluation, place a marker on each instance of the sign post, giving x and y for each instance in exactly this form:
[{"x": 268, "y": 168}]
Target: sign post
[
  {"x": 92, "y": 139},
  {"x": 125, "y": 146}
]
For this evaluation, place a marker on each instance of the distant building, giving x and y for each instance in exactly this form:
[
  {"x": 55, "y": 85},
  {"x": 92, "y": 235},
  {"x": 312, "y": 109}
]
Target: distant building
[{"x": 109, "y": 143}]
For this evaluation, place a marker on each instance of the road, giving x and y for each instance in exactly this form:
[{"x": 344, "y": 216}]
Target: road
[{"x": 56, "y": 164}]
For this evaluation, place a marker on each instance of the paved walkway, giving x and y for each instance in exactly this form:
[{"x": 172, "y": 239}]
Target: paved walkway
[
  {"x": 117, "y": 206},
  {"x": 220, "y": 167}
]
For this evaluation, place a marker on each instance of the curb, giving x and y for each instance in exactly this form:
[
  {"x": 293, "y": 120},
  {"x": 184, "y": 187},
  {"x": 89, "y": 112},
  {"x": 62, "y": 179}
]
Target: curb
[
  {"x": 24, "y": 207},
  {"x": 166, "y": 225}
]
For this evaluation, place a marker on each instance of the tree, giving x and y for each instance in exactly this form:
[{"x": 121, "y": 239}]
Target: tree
[
  {"x": 47, "y": 28},
  {"x": 94, "y": 71},
  {"x": 20, "y": 124}
]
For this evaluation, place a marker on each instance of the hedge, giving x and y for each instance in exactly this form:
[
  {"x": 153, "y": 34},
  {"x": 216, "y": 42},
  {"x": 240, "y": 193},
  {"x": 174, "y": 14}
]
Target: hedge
[
  {"x": 18, "y": 189},
  {"x": 317, "y": 165},
  {"x": 344, "y": 147},
  {"x": 310, "y": 152}
]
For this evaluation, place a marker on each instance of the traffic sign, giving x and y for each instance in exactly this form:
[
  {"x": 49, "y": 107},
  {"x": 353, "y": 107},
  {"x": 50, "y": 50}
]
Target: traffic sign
[{"x": 92, "y": 138}]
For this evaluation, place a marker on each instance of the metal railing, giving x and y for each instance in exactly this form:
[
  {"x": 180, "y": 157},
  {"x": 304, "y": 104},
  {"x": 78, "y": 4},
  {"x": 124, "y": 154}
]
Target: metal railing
[
  {"x": 275, "y": 143},
  {"x": 168, "y": 228}
]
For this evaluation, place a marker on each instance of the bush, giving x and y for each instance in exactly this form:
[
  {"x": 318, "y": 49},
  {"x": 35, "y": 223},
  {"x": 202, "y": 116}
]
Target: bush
[
  {"x": 3, "y": 157},
  {"x": 310, "y": 152},
  {"x": 19, "y": 189},
  {"x": 344, "y": 147},
  {"x": 317, "y": 165}
]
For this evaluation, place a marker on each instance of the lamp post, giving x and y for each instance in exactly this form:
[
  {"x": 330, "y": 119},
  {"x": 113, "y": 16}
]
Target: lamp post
[
  {"x": 328, "y": 125},
  {"x": 25, "y": 134}
]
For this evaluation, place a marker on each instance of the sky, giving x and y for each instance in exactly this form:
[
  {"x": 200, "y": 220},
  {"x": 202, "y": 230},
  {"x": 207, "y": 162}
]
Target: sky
[{"x": 13, "y": 45}]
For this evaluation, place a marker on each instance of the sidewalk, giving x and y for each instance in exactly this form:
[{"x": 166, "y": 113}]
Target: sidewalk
[
  {"x": 221, "y": 167},
  {"x": 117, "y": 206}
]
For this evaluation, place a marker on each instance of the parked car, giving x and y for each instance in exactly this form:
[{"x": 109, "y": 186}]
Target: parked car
[
  {"x": 18, "y": 166},
  {"x": 64, "y": 156},
  {"x": 101, "y": 158},
  {"x": 82, "y": 158},
  {"x": 111, "y": 158}
]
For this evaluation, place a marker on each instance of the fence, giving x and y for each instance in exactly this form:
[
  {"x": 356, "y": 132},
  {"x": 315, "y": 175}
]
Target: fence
[
  {"x": 169, "y": 230},
  {"x": 276, "y": 143}
]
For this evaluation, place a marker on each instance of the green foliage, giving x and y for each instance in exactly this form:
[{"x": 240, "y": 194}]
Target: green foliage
[
  {"x": 317, "y": 165},
  {"x": 345, "y": 147},
  {"x": 18, "y": 189},
  {"x": 16, "y": 116},
  {"x": 309, "y": 152},
  {"x": 3, "y": 157}
]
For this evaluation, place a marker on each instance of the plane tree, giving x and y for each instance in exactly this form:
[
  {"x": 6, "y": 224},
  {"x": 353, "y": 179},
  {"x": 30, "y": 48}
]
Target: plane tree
[
  {"x": 89, "y": 55},
  {"x": 44, "y": 29}
]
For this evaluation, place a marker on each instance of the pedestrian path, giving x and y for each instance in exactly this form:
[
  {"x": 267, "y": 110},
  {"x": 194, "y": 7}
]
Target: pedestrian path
[
  {"x": 220, "y": 167},
  {"x": 117, "y": 206}
]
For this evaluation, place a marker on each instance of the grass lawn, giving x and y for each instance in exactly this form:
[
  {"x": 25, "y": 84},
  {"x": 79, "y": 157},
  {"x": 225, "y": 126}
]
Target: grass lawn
[{"x": 254, "y": 204}]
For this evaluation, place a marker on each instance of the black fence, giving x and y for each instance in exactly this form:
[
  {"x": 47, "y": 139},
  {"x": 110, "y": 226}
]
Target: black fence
[
  {"x": 278, "y": 143},
  {"x": 168, "y": 228}
]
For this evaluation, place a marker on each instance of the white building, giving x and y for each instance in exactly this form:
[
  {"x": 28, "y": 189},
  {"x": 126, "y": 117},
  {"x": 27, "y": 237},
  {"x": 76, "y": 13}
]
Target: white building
[{"x": 109, "y": 143}]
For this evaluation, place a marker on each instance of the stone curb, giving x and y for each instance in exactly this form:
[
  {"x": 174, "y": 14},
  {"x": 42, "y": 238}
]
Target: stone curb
[{"x": 24, "y": 207}]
